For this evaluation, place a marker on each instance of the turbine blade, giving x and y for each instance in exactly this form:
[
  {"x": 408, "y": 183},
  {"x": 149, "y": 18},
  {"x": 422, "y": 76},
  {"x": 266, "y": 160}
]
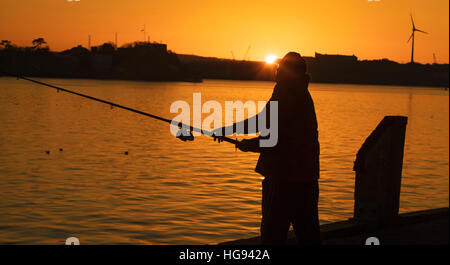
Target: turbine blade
[
  {"x": 412, "y": 21},
  {"x": 410, "y": 37},
  {"x": 421, "y": 31}
]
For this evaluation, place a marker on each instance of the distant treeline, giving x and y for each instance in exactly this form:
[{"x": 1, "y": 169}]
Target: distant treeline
[
  {"x": 152, "y": 61},
  {"x": 135, "y": 61},
  {"x": 326, "y": 69}
]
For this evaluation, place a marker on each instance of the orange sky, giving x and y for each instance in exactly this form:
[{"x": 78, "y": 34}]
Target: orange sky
[{"x": 368, "y": 29}]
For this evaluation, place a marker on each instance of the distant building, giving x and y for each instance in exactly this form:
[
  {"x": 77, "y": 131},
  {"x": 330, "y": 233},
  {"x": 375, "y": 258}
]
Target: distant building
[
  {"x": 335, "y": 58},
  {"x": 160, "y": 48}
]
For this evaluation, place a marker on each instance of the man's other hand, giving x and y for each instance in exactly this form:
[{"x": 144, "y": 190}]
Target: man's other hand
[{"x": 248, "y": 145}]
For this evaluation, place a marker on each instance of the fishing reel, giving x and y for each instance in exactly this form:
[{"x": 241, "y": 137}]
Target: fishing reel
[
  {"x": 185, "y": 134},
  {"x": 219, "y": 139}
]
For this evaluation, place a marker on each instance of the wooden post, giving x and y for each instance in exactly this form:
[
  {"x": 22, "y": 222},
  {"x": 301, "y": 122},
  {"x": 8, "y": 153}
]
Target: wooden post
[{"x": 378, "y": 167}]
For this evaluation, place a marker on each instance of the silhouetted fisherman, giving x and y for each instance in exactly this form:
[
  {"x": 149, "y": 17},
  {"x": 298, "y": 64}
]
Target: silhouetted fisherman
[{"x": 291, "y": 168}]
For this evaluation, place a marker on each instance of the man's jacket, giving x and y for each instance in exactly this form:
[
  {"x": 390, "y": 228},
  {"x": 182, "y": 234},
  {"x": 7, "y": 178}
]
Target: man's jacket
[{"x": 296, "y": 156}]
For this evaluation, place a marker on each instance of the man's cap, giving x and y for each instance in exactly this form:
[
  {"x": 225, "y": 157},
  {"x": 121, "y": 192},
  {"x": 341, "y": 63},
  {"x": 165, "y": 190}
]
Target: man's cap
[{"x": 294, "y": 61}]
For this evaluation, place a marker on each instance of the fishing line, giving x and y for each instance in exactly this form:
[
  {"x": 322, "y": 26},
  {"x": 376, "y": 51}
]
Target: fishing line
[{"x": 185, "y": 133}]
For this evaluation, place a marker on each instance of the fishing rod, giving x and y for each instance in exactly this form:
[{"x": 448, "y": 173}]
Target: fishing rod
[{"x": 183, "y": 127}]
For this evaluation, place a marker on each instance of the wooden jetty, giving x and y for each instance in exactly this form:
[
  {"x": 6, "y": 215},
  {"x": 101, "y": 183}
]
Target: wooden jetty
[
  {"x": 428, "y": 227},
  {"x": 378, "y": 168}
]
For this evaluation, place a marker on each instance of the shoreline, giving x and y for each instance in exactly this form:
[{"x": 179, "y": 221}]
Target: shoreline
[{"x": 221, "y": 79}]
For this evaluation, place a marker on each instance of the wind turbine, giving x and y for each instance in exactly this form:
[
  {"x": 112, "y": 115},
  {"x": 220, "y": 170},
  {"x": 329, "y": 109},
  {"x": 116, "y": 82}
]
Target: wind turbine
[{"x": 414, "y": 29}]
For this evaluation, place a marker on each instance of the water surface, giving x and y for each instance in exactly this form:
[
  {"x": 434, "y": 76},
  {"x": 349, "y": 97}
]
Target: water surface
[{"x": 171, "y": 192}]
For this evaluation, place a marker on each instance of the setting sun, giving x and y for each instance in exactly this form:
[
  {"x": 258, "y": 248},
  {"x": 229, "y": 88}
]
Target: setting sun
[{"x": 270, "y": 59}]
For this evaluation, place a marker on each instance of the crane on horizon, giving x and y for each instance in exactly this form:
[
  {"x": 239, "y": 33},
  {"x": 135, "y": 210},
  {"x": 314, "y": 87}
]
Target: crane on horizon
[{"x": 246, "y": 57}]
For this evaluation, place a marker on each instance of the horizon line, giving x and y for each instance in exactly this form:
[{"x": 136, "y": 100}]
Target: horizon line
[{"x": 225, "y": 58}]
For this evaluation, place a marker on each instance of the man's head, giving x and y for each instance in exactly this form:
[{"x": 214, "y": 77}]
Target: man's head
[{"x": 292, "y": 66}]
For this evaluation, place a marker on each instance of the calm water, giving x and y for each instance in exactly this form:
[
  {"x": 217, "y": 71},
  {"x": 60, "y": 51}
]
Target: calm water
[{"x": 170, "y": 192}]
